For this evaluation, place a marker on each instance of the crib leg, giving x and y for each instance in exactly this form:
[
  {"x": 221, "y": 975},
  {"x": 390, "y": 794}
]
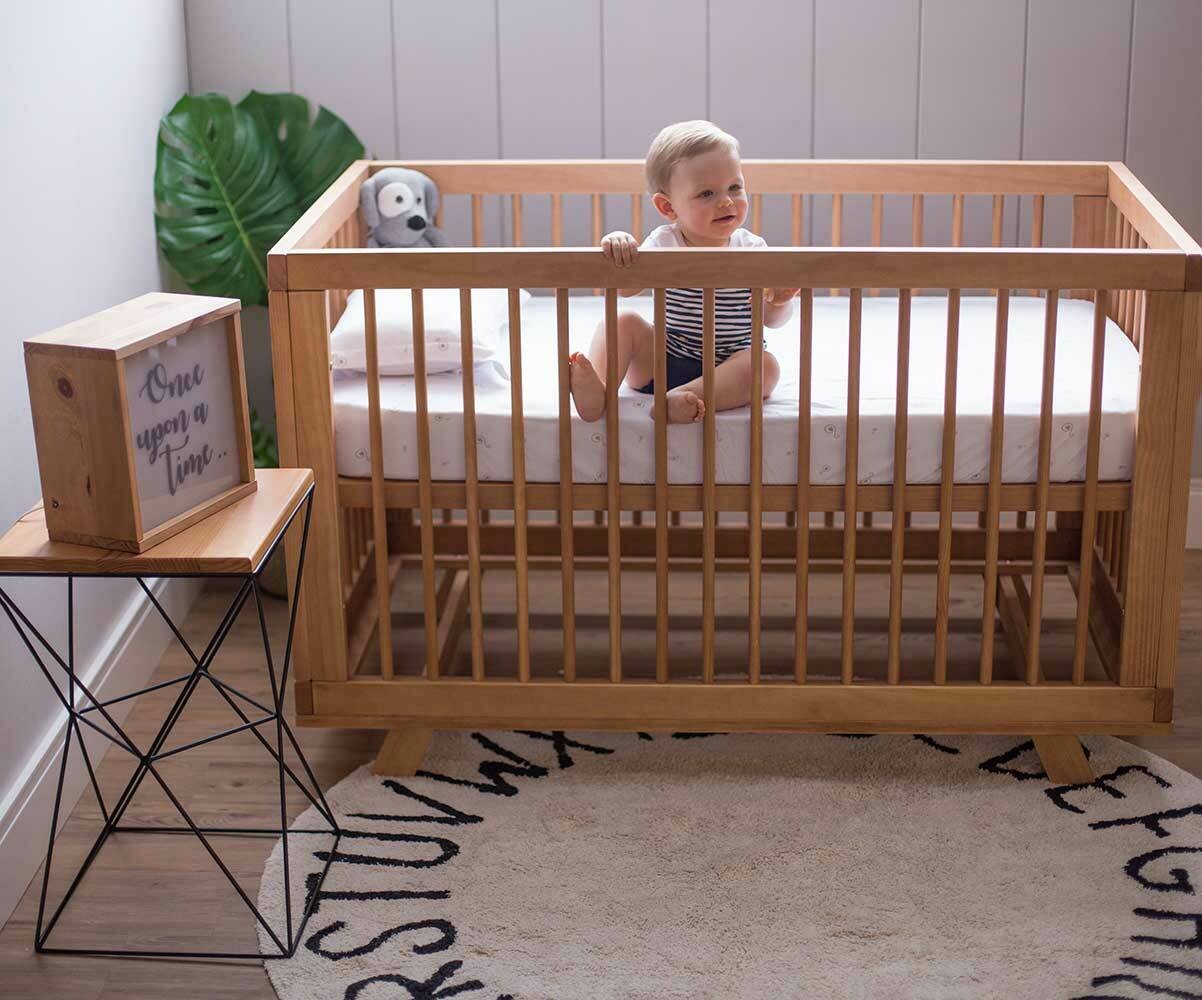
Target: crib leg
[
  {"x": 401, "y": 752},
  {"x": 1063, "y": 759}
]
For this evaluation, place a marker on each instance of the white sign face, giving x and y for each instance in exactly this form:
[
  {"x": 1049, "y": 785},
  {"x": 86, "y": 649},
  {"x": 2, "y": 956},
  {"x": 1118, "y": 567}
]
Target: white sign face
[{"x": 181, "y": 417}]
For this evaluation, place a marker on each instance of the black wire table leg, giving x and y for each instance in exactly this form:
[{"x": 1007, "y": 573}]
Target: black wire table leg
[{"x": 80, "y": 703}]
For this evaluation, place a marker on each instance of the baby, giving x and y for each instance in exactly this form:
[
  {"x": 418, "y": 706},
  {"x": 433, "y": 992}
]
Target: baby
[{"x": 696, "y": 182}]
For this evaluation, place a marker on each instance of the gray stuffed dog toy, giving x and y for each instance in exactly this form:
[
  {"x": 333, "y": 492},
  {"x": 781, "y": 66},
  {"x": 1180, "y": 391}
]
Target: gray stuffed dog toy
[{"x": 399, "y": 207}]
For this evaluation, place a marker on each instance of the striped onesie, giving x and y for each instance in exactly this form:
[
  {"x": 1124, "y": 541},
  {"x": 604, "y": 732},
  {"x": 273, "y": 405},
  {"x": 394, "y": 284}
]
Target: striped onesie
[{"x": 732, "y": 306}]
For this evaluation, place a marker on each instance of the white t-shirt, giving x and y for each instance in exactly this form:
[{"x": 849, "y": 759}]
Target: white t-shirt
[{"x": 683, "y": 306}]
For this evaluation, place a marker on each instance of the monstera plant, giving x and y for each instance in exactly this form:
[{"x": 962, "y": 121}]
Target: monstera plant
[{"x": 231, "y": 179}]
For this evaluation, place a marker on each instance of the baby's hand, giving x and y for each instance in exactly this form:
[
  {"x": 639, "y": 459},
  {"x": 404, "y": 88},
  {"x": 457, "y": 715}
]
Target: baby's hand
[
  {"x": 778, "y": 295},
  {"x": 620, "y": 248}
]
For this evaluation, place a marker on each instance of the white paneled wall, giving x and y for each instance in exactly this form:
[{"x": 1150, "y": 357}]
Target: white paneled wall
[{"x": 1032, "y": 79}]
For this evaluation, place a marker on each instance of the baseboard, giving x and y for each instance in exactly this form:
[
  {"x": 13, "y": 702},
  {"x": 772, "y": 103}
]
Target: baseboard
[
  {"x": 1193, "y": 527},
  {"x": 126, "y": 661}
]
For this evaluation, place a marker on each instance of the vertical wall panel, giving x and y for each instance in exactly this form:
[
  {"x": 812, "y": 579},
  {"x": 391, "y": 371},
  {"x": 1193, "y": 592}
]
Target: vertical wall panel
[
  {"x": 1076, "y": 93},
  {"x": 865, "y": 101},
  {"x": 1164, "y": 138},
  {"x": 760, "y": 86},
  {"x": 649, "y": 84},
  {"x": 234, "y": 47},
  {"x": 446, "y": 94},
  {"x": 550, "y": 80},
  {"x": 345, "y": 63},
  {"x": 1164, "y": 141},
  {"x": 970, "y": 99}
]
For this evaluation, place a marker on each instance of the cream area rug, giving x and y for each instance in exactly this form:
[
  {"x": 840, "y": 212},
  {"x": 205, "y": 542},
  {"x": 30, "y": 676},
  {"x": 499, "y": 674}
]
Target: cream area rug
[{"x": 624, "y": 866}]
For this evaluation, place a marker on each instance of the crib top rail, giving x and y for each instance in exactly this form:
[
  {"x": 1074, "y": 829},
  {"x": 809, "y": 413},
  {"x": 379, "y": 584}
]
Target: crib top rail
[
  {"x": 1172, "y": 260},
  {"x": 769, "y": 267},
  {"x": 771, "y": 176}
]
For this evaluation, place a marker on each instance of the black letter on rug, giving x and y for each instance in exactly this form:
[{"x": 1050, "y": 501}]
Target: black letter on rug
[
  {"x": 441, "y": 943},
  {"x": 451, "y": 816},
  {"x": 1181, "y": 882},
  {"x": 1195, "y": 918},
  {"x": 494, "y": 770},
  {"x": 1152, "y": 820},
  {"x": 1058, "y": 793},
  {"x": 561, "y": 743},
  {"x": 427, "y": 990}
]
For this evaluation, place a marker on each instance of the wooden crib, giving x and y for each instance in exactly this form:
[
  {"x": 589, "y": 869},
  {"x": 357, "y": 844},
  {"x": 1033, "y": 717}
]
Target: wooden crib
[{"x": 795, "y": 593}]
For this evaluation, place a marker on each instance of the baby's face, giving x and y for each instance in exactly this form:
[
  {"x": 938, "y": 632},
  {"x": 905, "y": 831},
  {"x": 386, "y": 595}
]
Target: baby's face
[{"x": 707, "y": 196}]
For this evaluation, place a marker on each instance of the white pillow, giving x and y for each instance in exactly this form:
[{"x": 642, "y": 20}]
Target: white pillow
[{"x": 394, "y": 330}]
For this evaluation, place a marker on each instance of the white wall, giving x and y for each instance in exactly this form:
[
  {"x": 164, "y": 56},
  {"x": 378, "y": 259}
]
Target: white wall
[{"x": 82, "y": 86}]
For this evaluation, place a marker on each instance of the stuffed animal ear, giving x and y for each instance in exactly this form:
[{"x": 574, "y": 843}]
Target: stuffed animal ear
[
  {"x": 367, "y": 202},
  {"x": 431, "y": 198}
]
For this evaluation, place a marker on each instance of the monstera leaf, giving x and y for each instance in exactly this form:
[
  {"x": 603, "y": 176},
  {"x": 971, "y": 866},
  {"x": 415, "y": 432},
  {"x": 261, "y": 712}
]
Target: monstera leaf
[
  {"x": 224, "y": 186},
  {"x": 314, "y": 152}
]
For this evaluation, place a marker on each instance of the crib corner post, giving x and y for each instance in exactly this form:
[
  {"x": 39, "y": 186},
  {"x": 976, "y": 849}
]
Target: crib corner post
[
  {"x": 1152, "y": 588},
  {"x": 1189, "y": 381},
  {"x": 305, "y": 422}
]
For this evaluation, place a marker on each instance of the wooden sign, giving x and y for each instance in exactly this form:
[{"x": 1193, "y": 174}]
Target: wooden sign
[{"x": 141, "y": 419}]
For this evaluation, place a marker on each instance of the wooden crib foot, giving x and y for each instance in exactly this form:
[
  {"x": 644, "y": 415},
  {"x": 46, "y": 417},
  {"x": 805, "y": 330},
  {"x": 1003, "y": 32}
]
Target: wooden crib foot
[
  {"x": 1063, "y": 759},
  {"x": 401, "y": 752}
]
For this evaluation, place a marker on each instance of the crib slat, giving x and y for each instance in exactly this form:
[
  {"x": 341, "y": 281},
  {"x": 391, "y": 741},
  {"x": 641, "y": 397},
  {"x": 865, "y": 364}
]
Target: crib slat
[
  {"x": 566, "y": 530},
  {"x": 1124, "y": 535},
  {"x": 477, "y": 220},
  {"x": 1124, "y": 294},
  {"x": 946, "y": 481},
  {"x": 797, "y": 209},
  {"x": 471, "y": 483},
  {"x": 379, "y": 525},
  {"x": 957, "y": 220},
  {"x": 1040, "y": 527},
  {"x": 1036, "y": 228},
  {"x": 755, "y": 481},
  {"x": 517, "y": 423},
  {"x": 423, "y": 475},
  {"x": 557, "y": 222},
  {"x": 878, "y": 222},
  {"x": 612, "y": 482},
  {"x": 709, "y": 503},
  {"x": 836, "y": 225},
  {"x": 661, "y": 487},
  {"x": 1090, "y": 506},
  {"x": 898, "y": 530},
  {"x": 1129, "y": 310},
  {"x": 636, "y": 216},
  {"x": 516, "y": 209},
  {"x": 851, "y": 473},
  {"x": 999, "y": 202},
  {"x": 597, "y": 207},
  {"x": 993, "y": 513},
  {"x": 802, "y": 585},
  {"x": 917, "y": 214},
  {"x": 757, "y": 212}
]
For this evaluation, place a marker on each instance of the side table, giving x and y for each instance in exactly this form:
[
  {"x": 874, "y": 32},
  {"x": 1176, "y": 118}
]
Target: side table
[{"x": 234, "y": 543}]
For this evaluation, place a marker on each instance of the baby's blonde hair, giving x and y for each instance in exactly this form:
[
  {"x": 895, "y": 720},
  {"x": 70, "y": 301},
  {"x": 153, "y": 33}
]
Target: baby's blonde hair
[{"x": 680, "y": 142}]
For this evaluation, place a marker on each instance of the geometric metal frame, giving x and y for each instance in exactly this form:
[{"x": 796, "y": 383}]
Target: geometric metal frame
[{"x": 80, "y": 711}]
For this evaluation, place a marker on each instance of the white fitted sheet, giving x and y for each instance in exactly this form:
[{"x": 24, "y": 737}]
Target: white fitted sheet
[{"x": 974, "y": 403}]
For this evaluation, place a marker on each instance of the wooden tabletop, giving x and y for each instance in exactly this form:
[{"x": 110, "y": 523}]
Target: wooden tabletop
[{"x": 233, "y": 540}]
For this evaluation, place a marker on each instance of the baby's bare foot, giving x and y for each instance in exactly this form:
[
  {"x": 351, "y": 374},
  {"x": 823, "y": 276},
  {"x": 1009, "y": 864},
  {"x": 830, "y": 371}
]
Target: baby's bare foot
[
  {"x": 685, "y": 407},
  {"x": 588, "y": 391}
]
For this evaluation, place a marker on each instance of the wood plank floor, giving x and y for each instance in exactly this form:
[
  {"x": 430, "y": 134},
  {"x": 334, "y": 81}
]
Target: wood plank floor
[{"x": 168, "y": 886}]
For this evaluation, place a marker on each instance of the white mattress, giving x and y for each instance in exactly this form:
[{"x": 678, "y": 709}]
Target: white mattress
[{"x": 974, "y": 402}]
